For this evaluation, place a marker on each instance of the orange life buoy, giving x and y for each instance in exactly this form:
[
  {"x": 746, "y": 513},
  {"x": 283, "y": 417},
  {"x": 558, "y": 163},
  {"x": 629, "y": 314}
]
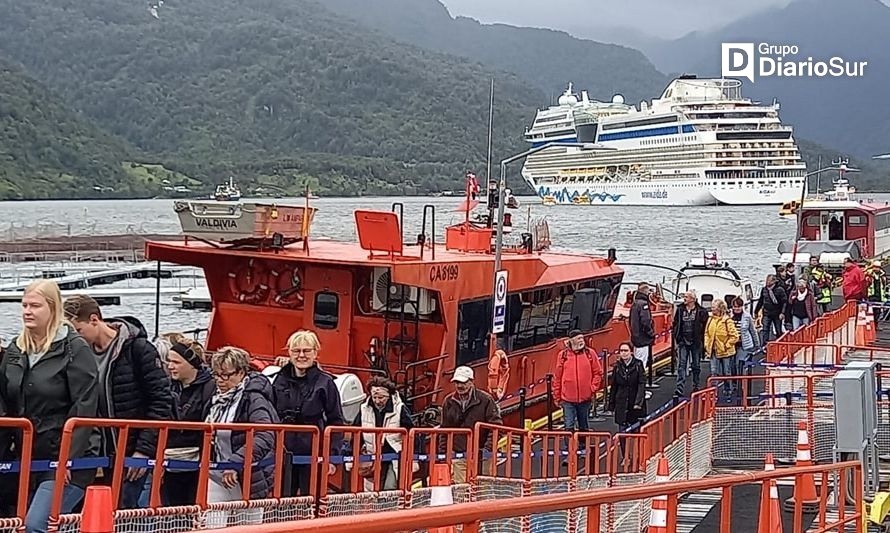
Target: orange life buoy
[
  {"x": 287, "y": 287},
  {"x": 498, "y": 374},
  {"x": 249, "y": 284}
]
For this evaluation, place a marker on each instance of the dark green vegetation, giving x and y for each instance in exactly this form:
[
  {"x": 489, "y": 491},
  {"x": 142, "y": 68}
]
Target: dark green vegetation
[
  {"x": 277, "y": 93},
  {"x": 270, "y": 91},
  {"x": 547, "y": 59},
  {"x": 48, "y": 151}
]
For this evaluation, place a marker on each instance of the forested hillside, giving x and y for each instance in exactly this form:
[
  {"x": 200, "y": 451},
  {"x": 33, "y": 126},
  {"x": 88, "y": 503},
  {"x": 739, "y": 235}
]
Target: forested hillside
[
  {"x": 48, "y": 151},
  {"x": 268, "y": 90},
  {"x": 546, "y": 58}
]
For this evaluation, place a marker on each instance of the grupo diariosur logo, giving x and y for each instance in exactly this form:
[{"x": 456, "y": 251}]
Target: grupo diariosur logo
[{"x": 783, "y": 60}]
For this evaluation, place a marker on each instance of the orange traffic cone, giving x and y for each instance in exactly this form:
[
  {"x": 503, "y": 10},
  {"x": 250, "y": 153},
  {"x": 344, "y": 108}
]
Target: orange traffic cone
[
  {"x": 659, "y": 515},
  {"x": 98, "y": 511},
  {"x": 805, "y": 485},
  {"x": 440, "y": 492},
  {"x": 869, "y": 327},
  {"x": 861, "y": 318},
  {"x": 770, "y": 512}
]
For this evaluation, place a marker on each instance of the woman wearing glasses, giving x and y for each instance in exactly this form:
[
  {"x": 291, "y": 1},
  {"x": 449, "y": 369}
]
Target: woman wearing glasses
[
  {"x": 242, "y": 396},
  {"x": 304, "y": 395}
]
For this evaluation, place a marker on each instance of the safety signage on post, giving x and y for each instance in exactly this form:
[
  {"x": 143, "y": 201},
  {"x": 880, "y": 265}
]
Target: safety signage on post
[{"x": 500, "y": 302}]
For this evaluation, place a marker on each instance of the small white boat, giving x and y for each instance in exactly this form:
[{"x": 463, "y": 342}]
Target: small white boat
[
  {"x": 712, "y": 279},
  {"x": 227, "y": 192}
]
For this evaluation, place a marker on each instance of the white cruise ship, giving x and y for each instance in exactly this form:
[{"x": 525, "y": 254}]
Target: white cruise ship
[{"x": 701, "y": 143}]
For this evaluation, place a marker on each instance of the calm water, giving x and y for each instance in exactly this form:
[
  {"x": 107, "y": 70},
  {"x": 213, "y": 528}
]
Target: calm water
[{"x": 745, "y": 236}]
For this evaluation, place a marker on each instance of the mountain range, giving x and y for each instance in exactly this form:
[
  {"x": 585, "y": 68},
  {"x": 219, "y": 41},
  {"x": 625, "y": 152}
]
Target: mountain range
[{"x": 282, "y": 93}]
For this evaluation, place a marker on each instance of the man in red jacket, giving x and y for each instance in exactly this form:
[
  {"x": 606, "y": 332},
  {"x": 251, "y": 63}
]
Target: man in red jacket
[
  {"x": 579, "y": 376},
  {"x": 854, "y": 281}
]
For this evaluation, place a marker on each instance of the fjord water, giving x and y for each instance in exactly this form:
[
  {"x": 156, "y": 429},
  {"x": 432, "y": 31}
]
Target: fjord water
[{"x": 743, "y": 235}]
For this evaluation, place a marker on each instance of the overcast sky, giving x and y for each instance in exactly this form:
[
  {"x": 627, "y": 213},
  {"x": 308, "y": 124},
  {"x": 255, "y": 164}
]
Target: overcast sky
[{"x": 661, "y": 18}]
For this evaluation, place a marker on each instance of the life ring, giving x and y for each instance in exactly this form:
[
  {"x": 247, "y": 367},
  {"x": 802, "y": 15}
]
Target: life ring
[
  {"x": 498, "y": 374},
  {"x": 249, "y": 284},
  {"x": 287, "y": 287}
]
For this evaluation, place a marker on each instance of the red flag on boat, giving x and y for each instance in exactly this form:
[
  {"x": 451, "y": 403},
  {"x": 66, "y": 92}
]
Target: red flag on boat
[
  {"x": 472, "y": 186},
  {"x": 470, "y": 201}
]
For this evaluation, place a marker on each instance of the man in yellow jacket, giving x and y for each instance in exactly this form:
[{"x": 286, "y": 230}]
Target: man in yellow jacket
[{"x": 721, "y": 338}]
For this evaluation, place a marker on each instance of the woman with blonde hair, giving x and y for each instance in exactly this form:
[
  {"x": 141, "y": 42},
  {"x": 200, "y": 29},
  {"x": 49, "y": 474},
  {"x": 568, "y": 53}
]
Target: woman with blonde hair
[
  {"x": 242, "y": 397},
  {"x": 48, "y": 375},
  {"x": 721, "y": 337},
  {"x": 305, "y": 395}
]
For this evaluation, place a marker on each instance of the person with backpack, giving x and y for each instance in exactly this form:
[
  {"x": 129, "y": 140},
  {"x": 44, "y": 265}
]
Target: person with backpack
[{"x": 577, "y": 379}]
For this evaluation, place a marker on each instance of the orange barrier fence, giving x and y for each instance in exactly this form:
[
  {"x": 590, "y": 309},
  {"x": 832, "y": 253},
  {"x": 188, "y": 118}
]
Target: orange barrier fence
[
  {"x": 476, "y": 516},
  {"x": 23, "y": 432},
  {"x": 832, "y": 329},
  {"x": 288, "y": 508}
]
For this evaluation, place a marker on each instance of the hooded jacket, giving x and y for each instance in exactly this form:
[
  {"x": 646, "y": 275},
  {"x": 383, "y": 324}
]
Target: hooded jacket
[
  {"x": 642, "y": 327},
  {"x": 579, "y": 376},
  {"x": 59, "y": 386},
  {"x": 255, "y": 407},
  {"x": 853, "y": 283},
  {"x": 136, "y": 386}
]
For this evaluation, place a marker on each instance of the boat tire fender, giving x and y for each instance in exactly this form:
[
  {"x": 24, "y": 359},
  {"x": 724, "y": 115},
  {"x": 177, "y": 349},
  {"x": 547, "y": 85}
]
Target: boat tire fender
[{"x": 249, "y": 283}]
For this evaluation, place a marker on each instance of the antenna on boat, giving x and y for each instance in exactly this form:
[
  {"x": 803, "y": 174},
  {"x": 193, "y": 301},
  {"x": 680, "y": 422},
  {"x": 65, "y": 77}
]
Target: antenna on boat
[{"x": 490, "y": 125}]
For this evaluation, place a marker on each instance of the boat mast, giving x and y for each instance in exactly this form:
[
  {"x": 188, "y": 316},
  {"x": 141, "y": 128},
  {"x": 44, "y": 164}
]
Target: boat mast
[{"x": 490, "y": 124}]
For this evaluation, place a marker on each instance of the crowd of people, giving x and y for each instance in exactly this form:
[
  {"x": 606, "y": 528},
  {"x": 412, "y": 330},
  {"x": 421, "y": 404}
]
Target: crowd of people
[{"x": 70, "y": 360}]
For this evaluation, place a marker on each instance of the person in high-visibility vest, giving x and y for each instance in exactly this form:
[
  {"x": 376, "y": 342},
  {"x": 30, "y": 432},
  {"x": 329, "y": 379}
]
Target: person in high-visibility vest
[
  {"x": 877, "y": 282},
  {"x": 823, "y": 285}
]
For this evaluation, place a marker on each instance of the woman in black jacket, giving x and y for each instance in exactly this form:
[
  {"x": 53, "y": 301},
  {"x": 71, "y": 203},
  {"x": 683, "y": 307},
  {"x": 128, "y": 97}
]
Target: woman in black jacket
[
  {"x": 306, "y": 396},
  {"x": 193, "y": 390},
  {"x": 48, "y": 375},
  {"x": 627, "y": 394}
]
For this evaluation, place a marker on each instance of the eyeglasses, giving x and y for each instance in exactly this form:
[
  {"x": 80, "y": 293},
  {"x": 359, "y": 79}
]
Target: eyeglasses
[
  {"x": 223, "y": 376},
  {"x": 301, "y": 351}
]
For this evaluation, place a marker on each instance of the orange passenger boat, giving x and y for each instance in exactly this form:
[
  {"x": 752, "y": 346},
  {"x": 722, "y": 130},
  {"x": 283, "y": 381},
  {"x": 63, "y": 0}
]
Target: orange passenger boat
[{"x": 412, "y": 312}]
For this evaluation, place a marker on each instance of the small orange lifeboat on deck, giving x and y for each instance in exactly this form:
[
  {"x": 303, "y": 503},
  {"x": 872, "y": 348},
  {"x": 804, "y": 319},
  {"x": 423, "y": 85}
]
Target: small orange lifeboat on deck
[{"x": 412, "y": 311}]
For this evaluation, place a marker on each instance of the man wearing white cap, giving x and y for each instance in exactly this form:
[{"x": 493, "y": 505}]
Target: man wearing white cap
[{"x": 463, "y": 408}]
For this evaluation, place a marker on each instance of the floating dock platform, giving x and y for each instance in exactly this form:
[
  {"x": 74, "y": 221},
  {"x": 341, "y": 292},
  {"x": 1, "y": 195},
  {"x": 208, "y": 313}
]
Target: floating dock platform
[
  {"x": 125, "y": 247},
  {"x": 107, "y": 296},
  {"x": 90, "y": 278}
]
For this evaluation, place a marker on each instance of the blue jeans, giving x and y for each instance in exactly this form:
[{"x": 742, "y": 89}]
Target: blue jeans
[
  {"x": 576, "y": 412},
  {"x": 742, "y": 356},
  {"x": 688, "y": 356},
  {"x": 38, "y": 513},
  {"x": 724, "y": 366},
  {"x": 798, "y": 322},
  {"x": 133, "y": 492},
  {"x": 770, "y": 323}
]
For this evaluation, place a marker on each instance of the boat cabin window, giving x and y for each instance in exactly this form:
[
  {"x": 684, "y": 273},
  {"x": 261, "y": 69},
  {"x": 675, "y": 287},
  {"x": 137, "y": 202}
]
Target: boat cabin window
[
  {"x": 474, "y": 320},
  {"x": 327, "y": 306},
  {"x": 882, "y": 222},
  {"x": 537, "y": 316},
  {"x": 856, "y": 221}
]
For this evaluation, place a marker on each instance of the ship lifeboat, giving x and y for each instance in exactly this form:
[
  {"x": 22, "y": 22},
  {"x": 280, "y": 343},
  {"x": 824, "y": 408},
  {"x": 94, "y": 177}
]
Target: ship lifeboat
[{"x": 789, "y": 209}]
